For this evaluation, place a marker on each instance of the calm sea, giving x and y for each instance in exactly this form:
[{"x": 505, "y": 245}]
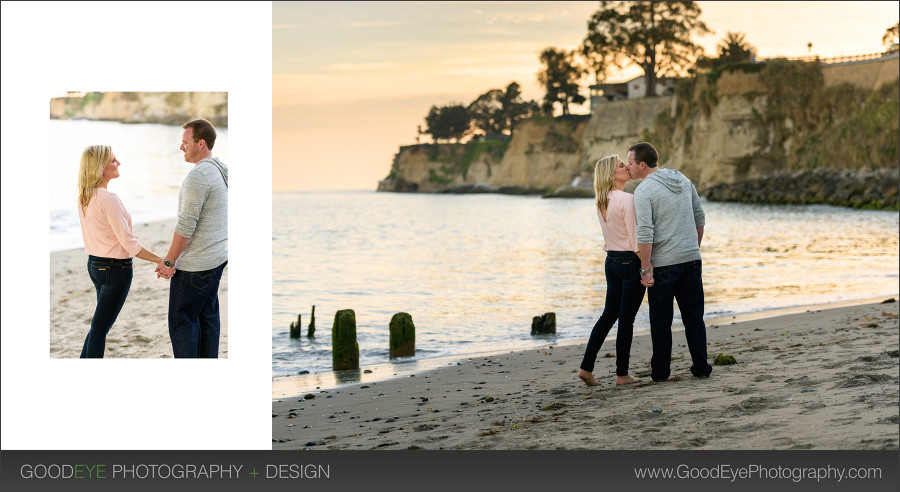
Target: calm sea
[
  {"x": 152, "y": 170},
  {"x": 473, "y": 270}
]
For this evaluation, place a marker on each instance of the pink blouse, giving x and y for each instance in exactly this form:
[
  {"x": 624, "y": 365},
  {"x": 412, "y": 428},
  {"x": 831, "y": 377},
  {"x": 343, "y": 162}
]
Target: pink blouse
[
  {"x": 106, "y": 227},
  {"x": 620, "y": 226}
]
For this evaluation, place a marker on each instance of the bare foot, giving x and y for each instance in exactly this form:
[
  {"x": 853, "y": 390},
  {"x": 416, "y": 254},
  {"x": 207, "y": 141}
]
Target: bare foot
[
  {"x": 627, "y": 379},
  {"x": 588, "y": 378}
]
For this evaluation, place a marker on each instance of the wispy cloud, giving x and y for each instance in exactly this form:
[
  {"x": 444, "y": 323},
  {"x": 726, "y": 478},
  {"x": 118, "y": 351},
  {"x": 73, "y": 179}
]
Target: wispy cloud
[
  {"x": 363, "y": 24},
  {"x": 360, "y": 67},
  {"x": 276, "y": 27},
  {"x": 519, "y": 19}
]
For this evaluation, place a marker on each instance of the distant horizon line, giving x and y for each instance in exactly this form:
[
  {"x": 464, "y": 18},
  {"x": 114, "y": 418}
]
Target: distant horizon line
[{"x": 323, "y": 191}]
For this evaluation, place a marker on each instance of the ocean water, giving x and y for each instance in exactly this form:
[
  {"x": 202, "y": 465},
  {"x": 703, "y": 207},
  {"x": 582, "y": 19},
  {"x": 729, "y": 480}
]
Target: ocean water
[
  {"x": 152, "y": 170},
  {"x": 473, "y": 270}
]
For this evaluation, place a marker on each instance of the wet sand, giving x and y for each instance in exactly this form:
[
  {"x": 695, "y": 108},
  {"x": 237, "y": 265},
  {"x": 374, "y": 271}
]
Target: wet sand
[
  {"x": 141, "y": 330},
  {"x": 823, "y": 379}
]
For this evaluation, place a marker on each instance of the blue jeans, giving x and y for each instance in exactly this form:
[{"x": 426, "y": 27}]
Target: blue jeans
[
  {"x": 624, "y": 294},
  {"x": 194, "y": 313},
  {"x": 112, "y": 279},
  {"x": 683, "y": 283}
]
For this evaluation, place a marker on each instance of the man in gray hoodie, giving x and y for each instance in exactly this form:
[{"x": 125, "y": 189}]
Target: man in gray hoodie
[
  {"x": 669, "y": 231},
  {"x": 199, "y": 250}
]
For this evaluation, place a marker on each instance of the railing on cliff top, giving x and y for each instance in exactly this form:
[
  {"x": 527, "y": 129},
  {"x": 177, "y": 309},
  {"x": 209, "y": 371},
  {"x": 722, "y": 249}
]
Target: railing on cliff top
[{"x": 836, "y": 59}]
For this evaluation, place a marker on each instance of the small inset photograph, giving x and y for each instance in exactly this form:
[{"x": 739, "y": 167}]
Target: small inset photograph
[{"x": 138, "y": 218}]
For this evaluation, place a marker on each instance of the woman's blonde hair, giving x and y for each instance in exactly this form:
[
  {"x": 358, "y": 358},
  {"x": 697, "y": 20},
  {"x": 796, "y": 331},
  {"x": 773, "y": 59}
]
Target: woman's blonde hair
[
  {"x": 93, "y": 160},
  {"x": 603, "y": 180}
]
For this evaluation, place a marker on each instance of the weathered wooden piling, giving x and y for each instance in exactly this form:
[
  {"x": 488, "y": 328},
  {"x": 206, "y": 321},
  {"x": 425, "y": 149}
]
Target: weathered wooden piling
[
  {"x": 403, "y": 336},
  {"x": 344, "y": 348},
  {"x": 312, "y": 323},
  {"x": 543, "y": 324},
  {"x": 295, "y": 328}
]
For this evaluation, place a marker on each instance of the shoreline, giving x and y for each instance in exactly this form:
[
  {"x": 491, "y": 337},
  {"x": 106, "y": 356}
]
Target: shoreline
[
  {"x": 141, "y": 329},
  {"x": 296, "y": 385},
  {"x": 828, "y": 368}
]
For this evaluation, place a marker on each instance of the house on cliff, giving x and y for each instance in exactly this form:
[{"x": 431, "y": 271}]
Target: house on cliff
[{"x": 632, "y": 89}]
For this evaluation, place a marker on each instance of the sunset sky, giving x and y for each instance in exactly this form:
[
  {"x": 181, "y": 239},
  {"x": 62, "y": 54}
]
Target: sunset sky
[{"x": 352, "y": 80}]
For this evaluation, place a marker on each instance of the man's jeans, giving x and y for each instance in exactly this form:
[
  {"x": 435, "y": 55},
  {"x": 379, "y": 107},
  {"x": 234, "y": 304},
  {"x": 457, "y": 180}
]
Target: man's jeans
[
  {"x": 112, "y": 280},
  {"x": 683, "y": 283},
  {"x": 624, "y": 294},
  {"x": 194, "y": 313}
]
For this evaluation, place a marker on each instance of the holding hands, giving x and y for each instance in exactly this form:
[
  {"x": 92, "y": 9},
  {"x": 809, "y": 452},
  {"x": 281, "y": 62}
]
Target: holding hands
[
  {"x": 162, "y": 271},
  {"x": 647, "y": 277}
]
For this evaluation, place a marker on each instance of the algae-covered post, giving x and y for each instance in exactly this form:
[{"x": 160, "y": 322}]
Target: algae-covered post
[
  {"x": 312, "y": 323},
  {"x": 543, "y": 324},
  {"x": 295, "y": 328},
  {"x": 403, "y": 336},
  {"x": 344, "y": 349}
]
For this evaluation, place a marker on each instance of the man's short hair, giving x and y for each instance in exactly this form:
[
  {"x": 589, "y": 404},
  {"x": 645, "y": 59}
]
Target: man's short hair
[
  {"x": 645, "y": 152},
  {"x": 202, "y": 129}
]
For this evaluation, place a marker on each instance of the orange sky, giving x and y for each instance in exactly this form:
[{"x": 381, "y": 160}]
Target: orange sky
[{"x": 352, "y": 80}]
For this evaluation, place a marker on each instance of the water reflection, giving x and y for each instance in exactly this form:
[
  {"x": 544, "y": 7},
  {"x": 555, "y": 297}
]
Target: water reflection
[{"x": 473, "y": 270}]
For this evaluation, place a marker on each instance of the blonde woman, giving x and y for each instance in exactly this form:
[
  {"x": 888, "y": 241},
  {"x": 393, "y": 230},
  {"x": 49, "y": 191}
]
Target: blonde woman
[
  {"x": 624, "y": 291},
  {"x": 108, "y": 241}
]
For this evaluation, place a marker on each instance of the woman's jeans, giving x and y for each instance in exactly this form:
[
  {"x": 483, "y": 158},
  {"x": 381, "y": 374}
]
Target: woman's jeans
[
  {"x": 624, "y": 294},
  {"x": 112, "y": 279}
]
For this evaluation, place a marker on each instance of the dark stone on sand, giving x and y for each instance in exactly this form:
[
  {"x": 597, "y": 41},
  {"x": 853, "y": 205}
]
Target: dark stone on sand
[
  {"x": 402, "y": 336},
  {"x": 656, "y": 409},
  {"x": 367, "y": 371},
  {"x": 315, "y": 443},
  {"x": 554, "y": 406},
  {"x": 309, "y": 396},
  {"x": 303, "y": 372},
  {"x": 414, "y": 448},
  {"x": 344, "y": 348},
  {"x": 724, "y": 360},
  {"x": 543, "y": 324},
  {"x": 888, "y": 301},
  {"x": 295, "y": 328}
]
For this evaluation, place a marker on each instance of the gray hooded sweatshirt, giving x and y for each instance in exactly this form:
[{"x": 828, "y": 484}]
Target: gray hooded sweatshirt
[
  {"x": 668, "y": 215},
  {"x": 203, "y": 216}
]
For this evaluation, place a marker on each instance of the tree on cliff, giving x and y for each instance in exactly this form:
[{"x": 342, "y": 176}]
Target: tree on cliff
[
  {"x": 497, "y": 111},
  {"x": 891, "y": 36},
  {"x": 654, "y": 35},
  {"x": 560, "y": 76},
  {"x": 446, "y": 122},
  {"x": 733, "y": 48}
]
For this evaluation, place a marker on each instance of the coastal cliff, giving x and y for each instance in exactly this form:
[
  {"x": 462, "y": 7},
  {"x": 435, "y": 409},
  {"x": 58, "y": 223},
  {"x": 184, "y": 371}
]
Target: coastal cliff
[
  {"x": 167, "y": 108},
  {"x": 542, "y": 154},
  {"x": 753, "y": 126}
]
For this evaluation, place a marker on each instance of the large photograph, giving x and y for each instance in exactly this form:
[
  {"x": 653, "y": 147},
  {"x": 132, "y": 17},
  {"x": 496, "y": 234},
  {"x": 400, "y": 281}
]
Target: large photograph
[
  {"x": 582, "y": 225},
  {"x": 138, "y": 225}
]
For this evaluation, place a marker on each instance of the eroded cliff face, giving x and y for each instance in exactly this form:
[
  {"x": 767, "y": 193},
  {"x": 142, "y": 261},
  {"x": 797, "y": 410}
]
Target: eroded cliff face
[
  {"x": 618, "y": 125},
  {"x": 542, "y": 154},
  {"x": 744, "y": 126},
  {"x": 168, "y": 108},
  {"x": 741, "y": 125}
]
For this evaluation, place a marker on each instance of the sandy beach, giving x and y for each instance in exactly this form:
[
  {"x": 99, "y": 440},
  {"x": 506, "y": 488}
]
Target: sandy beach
[
  {"x": 141, "y": 330},
  {"x": 823, "y": 379}
]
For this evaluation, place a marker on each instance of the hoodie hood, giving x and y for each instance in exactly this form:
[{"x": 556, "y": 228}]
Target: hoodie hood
[
  {"x": 223, "y": 169},
  {"x": 670, "y": 178}
]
